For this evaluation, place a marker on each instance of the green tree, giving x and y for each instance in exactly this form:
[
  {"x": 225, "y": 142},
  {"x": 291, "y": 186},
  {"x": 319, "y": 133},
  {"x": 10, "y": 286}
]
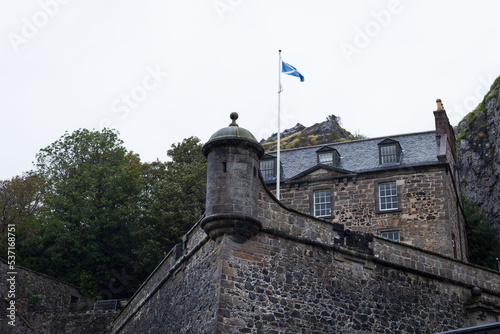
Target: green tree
[
  {"x": 93, "y": 185},
  {"x": 482, "y": 236},
  {"x": 173, "y": 200},
  {"x": 20, "y": 204}
]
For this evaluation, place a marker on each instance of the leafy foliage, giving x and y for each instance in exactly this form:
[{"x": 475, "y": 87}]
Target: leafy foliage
[
  {"x": 92, "y": 186},
  {"x": 172, "y": 201},
  {"x": 20, "y": 203},
  {"x": 482, "y": 240},
  {"x": 35, "y": 300},
  {"x": 94, "y": 216}
]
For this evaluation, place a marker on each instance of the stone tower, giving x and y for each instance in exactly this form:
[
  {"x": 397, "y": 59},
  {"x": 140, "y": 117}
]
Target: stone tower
[{"x": 233, "y": 156}]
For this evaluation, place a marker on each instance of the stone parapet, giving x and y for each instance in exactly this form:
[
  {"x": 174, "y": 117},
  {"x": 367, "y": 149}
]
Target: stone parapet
[{"x": 436, "y": 266}]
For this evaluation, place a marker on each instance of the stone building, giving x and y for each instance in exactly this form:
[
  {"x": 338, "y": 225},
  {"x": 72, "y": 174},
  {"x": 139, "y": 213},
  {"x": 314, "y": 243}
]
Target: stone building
[
  {"x": 404, "y": 187},
  {"x": 254, "y": 265}
]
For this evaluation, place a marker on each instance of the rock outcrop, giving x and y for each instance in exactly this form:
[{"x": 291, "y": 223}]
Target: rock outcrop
[
  {"x": 478, "y": 141},
  {"x": 320, "y": 133}
]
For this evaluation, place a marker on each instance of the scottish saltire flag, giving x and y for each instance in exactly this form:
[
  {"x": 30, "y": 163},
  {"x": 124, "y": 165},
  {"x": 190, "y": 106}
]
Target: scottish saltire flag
[{"x": 290, "y": 70}]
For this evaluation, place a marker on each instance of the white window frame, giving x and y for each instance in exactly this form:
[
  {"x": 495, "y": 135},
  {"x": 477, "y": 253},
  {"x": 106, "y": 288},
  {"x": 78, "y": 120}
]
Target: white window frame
[
  {"x": 388, "y": 197},
  {"x": 322, "y": 203},
  {"x": 328, "y": 161},
  {"x": 391, "y": 235}
]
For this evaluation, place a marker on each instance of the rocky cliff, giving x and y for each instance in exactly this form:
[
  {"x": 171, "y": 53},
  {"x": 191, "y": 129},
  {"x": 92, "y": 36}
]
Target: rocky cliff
[
  {"x": 320, "y": 133},
  {"x": 478, "y": 144}
]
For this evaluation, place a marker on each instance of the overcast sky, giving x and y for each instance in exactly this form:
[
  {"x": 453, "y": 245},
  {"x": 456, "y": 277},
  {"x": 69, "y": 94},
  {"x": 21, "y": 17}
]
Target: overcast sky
[{"x": 161, "y": 71}]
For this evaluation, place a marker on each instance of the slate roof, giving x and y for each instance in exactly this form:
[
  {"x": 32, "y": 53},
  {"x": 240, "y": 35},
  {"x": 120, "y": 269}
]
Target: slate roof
[{"x": 362, "y": 155}]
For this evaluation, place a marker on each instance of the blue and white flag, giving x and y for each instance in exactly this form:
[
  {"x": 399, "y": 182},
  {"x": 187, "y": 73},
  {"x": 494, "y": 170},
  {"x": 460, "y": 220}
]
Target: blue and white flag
[{"x": 290, "y": 70}]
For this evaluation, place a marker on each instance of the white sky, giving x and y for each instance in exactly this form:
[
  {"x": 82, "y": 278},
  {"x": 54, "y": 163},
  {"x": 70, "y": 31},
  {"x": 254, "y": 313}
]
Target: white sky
[{"x": 71, "y": 64}]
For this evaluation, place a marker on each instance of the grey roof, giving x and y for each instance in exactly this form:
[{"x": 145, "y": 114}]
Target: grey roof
[{"x": 363, "y": 155}]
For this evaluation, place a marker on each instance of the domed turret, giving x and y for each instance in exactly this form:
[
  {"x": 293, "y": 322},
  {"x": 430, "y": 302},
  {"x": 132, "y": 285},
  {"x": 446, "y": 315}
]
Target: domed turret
[
  {"x": 231, "y": 134},
  {"x": 233, "y": 156}
]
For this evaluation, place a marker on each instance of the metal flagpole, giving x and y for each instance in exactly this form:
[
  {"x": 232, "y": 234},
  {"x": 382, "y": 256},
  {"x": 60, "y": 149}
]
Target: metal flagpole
[{"x": 278, "y": 169}]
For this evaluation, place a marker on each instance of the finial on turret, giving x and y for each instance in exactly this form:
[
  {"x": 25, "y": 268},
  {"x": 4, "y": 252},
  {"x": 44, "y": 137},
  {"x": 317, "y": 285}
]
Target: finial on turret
[
  {"x": 439, "y": 104},
  {"x": 234, "y": 117}
]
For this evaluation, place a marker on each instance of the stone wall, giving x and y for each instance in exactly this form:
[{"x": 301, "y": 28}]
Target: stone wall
[
  {"x": 436, "y": 266},
  {"x": 55, "y": 293},
  {"x": 480, "y": 292},
  {"x": 456, "y": 214},
  {"x": 181, "y": 296},
  {"x": 61, "y": 323},
  {"x": 300, "y": 274},
  {"x": 85, "y": 323},
  {"x": 278, "y": 285},
  {"x": 53, "y": 312},
  {"x": 427, "y": 217},
  {"x": 448, "y": 156},
  {"x": 278, "y": 219}
]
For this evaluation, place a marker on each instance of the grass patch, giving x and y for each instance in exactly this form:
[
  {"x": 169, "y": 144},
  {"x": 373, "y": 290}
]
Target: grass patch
[{"x": 481, "y": 108}]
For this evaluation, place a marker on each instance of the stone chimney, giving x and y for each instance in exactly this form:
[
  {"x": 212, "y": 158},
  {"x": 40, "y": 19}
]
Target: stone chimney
[
  {"x": 233, "y": 156},
  {"x": 442, "y": 122},
  {"x": 444, "y": 129}
]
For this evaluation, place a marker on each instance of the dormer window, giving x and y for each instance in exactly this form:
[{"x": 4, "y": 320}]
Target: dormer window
[
  {"x": 268, "y": 167},
  {"x": 325, "y": 158},
  {"x": 389, "y": 152},
  {"x": 328, "y": 156}
]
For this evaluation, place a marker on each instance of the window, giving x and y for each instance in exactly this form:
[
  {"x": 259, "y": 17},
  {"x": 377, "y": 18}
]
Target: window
[
  {"x": 268, "y": 169},
  {"x": 322, "y": 203},
  {"x": 388, "y": 196},
  {"x": 393, "y": 235},
  {"x": 325, "y": 158},
  {"x": 389, "y": 152},
  {"x": 328, "y": 156}
]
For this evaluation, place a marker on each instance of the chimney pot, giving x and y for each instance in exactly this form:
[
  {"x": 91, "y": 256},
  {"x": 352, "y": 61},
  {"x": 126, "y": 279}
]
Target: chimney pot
[{"x": 439, "y": 104}]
